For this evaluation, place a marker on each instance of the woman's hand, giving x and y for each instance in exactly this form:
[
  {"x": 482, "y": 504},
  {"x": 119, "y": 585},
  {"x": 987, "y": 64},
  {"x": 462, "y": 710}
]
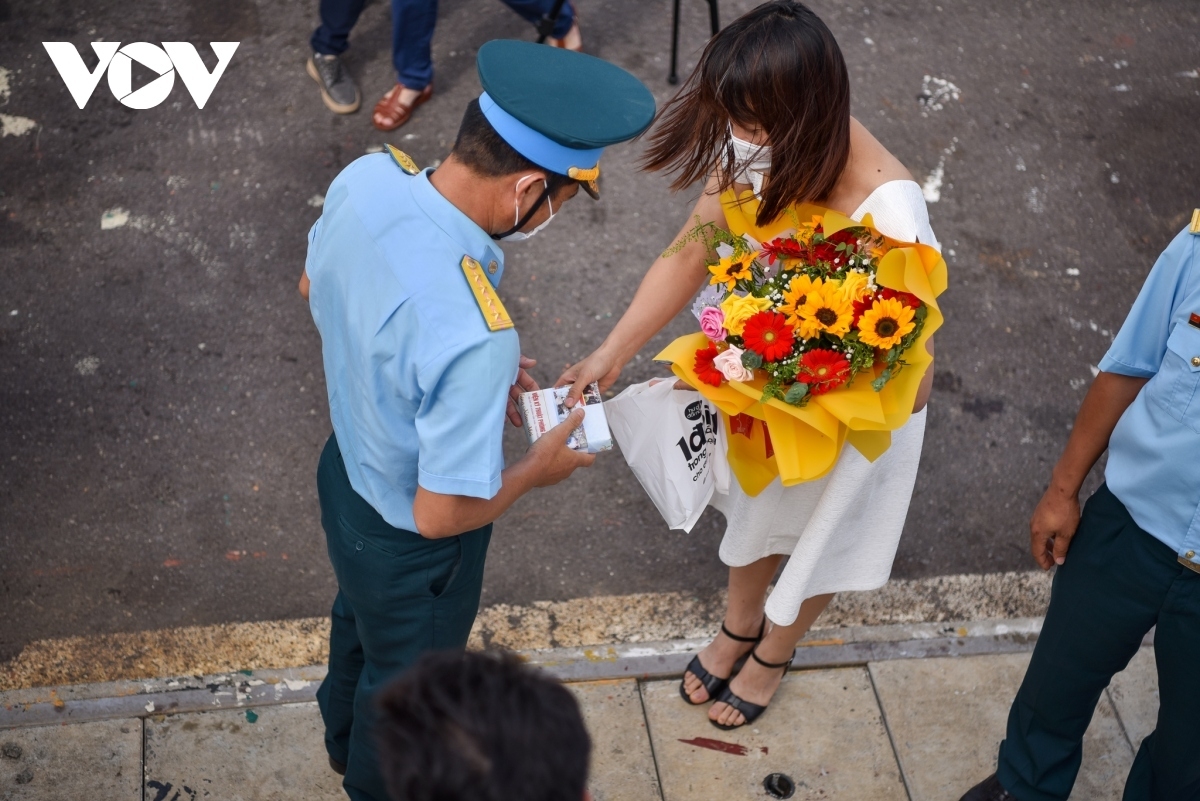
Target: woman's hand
[
  {"x": 926, "y": 385},
  {"x": 601, "y": 366}
]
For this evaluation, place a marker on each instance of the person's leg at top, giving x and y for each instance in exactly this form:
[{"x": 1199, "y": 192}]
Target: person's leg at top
[
  {"x": 566, "y": 32},
  {"x": 413, "y": 23},
  {"x": 329, "y": 41}
]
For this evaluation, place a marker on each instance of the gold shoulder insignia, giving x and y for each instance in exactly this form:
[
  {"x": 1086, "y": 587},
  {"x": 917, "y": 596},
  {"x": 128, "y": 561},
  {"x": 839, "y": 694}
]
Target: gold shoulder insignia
[
  {"x": 1195, "y": 226},
  {"x": 494, "y": 313},
  {"x": 404, "y": 160}
]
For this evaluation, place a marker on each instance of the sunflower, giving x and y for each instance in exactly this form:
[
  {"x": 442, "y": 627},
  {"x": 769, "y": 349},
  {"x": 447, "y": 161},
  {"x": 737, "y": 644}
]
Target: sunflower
[
  {"x": 886, "y": 323},
  {"x": 796, "y": 296},
  {"x": 768, "y": 334},
  {"x": 731, "y": 269},
  {"x": 826, "y": 310}
]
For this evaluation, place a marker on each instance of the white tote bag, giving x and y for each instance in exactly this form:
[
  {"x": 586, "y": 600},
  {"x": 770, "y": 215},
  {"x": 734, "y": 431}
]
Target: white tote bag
[{"x": 672, "y": 441}]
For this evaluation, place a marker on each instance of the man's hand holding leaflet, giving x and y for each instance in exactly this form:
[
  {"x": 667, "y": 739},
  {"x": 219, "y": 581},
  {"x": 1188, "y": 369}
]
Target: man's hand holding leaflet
[{"x": 547, "y": 462}]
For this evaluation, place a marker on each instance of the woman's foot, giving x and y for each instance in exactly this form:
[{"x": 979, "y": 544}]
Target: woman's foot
[
  {"x": 572, "y": 41},
  {"x": 398, "y": 105},
  {"x": 718, "y": 658},
  {"x": 755, "y": 683}
]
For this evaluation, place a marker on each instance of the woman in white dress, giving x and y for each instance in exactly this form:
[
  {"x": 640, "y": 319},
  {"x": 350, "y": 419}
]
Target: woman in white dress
[{"x": 767, "y": 110}]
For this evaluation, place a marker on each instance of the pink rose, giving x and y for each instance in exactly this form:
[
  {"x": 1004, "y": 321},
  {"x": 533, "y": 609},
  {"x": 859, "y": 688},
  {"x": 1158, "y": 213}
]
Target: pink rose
[
  {"x": 712, "y": 323},
  {"x": 729, "y": 362}
]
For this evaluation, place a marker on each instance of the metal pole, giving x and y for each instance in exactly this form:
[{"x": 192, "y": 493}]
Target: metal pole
[{"x": 673, "y": 78}]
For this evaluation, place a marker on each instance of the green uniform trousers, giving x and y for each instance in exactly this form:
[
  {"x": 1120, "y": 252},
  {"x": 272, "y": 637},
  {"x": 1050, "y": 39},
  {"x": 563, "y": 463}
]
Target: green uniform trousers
[
  {"x": 1117, "y": 583},
  {"x": 399, "y": 595}
]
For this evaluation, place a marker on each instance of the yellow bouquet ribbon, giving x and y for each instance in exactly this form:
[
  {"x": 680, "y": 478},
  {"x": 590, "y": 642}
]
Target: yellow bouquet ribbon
[{"x": 807, "y": 440}]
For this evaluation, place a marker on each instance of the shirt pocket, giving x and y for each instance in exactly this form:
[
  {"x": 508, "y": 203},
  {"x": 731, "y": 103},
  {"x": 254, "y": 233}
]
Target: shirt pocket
[{"x": 1179, "y": 376}]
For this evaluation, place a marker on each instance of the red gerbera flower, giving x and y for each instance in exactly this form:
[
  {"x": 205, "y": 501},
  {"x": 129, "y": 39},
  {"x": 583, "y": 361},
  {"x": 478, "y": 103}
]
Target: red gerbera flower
[
  {"x": 907, "y": 298},
  {"x": 782, "y": 248},
  {"x": 704, "y": 366},
  {"x": 828, "y": 252},
  {"x": 768, "y": 334},
  {"x": 861, "y": 306},
  {"x": 823, "y": 370}
]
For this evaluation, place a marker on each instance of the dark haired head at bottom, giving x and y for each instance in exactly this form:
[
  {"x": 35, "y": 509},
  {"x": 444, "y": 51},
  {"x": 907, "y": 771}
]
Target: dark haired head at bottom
[{"x": 483, "y": 727}]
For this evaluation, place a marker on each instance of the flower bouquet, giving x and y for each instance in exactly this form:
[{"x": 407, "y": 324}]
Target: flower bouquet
[{"x": 817, "y": 332}]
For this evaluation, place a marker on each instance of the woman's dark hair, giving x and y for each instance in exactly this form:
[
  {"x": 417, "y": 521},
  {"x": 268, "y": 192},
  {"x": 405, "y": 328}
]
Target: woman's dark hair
[
  {"x": 480, "y": 727},
  {"x": 777, "y": 68},
  {"x": 483, "y": 150}
]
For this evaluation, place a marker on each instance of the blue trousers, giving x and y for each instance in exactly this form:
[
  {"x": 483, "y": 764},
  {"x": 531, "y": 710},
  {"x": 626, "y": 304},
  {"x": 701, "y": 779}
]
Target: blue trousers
[
  {"x": 399, "y": 595},
  {"x": 412, "y": 31},
  {"x": 1117, "y": 583}
]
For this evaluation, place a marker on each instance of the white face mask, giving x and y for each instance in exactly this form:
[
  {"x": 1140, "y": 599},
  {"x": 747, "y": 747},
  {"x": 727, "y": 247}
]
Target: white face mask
[
  {"x": 751, "y": 162},
  {"x": 521, "y": 236}
]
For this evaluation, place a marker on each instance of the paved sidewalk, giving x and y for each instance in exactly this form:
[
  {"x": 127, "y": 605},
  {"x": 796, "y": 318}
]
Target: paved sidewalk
[{"x": 895, "y": 712}]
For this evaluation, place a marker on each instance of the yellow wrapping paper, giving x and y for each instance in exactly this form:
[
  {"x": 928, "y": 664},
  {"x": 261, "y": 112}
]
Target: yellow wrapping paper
[{"x": 807, "y": 440}]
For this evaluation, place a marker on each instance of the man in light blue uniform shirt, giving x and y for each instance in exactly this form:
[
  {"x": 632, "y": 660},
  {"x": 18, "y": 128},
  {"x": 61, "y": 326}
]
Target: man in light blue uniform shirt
[
  {"x": 421, "y": 357},
  {"x": 1134, "y": 556}
]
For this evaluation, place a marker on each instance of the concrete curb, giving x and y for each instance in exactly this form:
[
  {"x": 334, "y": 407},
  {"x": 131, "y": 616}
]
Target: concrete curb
[
  {"x": 657, "y": 660},
  {"x": 200, "y": 650},
  {"x": 821, "y": 649}
]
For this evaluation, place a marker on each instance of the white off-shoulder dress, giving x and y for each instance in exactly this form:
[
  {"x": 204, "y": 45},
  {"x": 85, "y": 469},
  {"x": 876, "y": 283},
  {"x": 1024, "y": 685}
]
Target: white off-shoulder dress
[{"x": 842, "y": 530}]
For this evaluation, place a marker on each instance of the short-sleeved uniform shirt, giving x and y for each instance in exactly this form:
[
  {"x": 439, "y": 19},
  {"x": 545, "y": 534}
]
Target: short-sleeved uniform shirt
[
  {"x": 1154, "y": 452},
  {"x": 417, "y": 383}
]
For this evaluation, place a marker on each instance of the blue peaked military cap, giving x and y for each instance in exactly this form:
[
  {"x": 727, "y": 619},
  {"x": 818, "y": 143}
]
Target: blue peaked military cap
[{"x": 558, "y": 108}]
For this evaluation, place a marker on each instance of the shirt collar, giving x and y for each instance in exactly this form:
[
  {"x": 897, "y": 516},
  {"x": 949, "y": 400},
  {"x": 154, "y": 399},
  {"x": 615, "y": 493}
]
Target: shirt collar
[{"x": 474, "y": 241}]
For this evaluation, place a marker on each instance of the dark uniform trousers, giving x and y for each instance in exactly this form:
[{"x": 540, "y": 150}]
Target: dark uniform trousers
[
  {"x": 1117, "y": 583},
  {"x": 399, "y": 595}
]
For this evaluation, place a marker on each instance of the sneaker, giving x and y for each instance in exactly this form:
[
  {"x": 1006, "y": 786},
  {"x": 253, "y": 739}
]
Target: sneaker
[{"x": 338, "y": 89}]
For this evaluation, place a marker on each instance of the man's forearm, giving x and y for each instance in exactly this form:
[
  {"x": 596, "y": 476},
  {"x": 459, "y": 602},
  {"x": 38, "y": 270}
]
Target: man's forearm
[
  {"x": 439, "y": 515},
  {"x": 1106, "y": 400}
]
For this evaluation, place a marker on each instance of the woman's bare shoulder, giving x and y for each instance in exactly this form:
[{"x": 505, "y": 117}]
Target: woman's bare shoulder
[{"x": 873, "y": 163}]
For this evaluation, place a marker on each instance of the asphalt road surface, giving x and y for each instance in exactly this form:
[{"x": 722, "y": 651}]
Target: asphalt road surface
[{"x": 161, "y": 398}]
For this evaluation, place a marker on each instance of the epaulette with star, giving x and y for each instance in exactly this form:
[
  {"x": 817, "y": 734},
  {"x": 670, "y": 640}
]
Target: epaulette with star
[
  {"x": 403, "y": 160},
  {"x": 493, "y": 311}
]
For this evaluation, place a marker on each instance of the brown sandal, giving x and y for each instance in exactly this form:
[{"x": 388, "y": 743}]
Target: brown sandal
[
  {"x": 391, "y": 108},
  {"x": 562, "y": 43}
]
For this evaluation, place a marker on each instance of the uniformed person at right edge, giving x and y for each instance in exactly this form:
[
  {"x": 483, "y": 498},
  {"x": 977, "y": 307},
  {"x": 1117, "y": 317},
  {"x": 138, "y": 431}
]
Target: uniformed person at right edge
[
  {"x": 1134, "y": 558},
  {"x": 420, "y": 357}
]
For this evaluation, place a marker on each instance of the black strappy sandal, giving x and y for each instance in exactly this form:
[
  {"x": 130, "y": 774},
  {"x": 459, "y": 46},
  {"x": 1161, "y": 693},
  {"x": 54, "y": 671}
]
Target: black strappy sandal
[
  {"x": 750, "y": 712},
  {"x": 715, "y": 684}
]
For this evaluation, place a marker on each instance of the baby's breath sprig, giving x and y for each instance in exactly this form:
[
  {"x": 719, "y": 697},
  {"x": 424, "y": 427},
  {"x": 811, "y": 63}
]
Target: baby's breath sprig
[{"x": 710, "y": 234}]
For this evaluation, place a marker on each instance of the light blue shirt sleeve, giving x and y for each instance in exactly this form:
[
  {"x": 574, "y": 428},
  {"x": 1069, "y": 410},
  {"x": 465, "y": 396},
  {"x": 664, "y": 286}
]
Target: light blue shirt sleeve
[
  {"x": 460, "y": 423},
  {"x": 1141, "y": 343}
]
